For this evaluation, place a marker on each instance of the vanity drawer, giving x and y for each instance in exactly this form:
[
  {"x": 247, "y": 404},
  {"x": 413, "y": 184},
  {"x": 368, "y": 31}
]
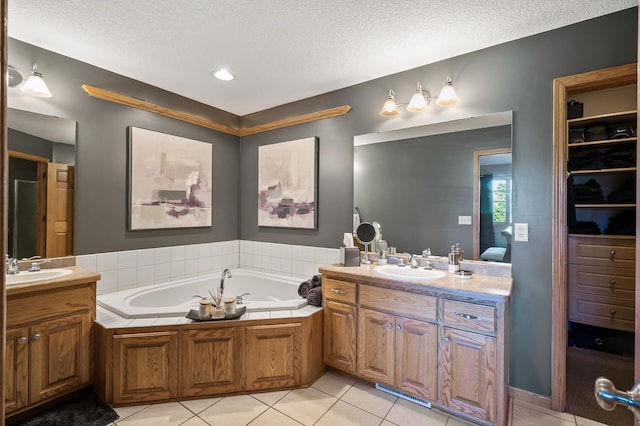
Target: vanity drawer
[
  {"x": 399, "y": 303},
  {"x": 470, "y": 316},
  {"x": 342, "y": 291},
  {"x": 45, "y": 304},
  {"x": 604, "y": 281},
  {"x": 617, "y": 252},
  {"x": 602, "y": 311}
]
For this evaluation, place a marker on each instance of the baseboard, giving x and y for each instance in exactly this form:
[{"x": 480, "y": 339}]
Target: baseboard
[{"x": 530, "y": 397}]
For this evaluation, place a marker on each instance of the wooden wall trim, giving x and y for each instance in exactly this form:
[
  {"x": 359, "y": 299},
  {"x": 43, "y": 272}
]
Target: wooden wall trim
[
  {"x": 110, "y": 96},
  {"x": 25, "y": 156},
  {"x": 563, "y": 88},
  {"x": 4, "y": 4}
]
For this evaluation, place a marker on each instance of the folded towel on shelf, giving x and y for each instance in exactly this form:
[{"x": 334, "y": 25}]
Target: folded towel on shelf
[
  {"x": 314, "y": 297},
  {"x": 304, "y": 287}
]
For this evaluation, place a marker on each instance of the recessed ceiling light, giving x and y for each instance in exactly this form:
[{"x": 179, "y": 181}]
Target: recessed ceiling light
[{"x": 223, "y": 75}]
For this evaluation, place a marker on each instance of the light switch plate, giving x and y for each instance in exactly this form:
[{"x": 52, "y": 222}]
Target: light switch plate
[{"x": 464, "y": 220}]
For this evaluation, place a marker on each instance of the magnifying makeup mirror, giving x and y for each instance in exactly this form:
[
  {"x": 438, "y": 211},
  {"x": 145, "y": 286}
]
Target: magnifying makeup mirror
[{"x": 367, "y": 233}]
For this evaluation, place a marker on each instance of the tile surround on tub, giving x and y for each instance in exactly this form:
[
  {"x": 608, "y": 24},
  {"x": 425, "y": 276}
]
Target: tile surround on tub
[{"x": 138, "y": 268}]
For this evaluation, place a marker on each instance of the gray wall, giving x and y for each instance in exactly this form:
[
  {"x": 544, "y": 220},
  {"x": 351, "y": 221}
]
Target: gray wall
[
  {"x": 513, "y": 76},
  {"x": 416, "y": 188},
  {"x": 101, "y": 161}
]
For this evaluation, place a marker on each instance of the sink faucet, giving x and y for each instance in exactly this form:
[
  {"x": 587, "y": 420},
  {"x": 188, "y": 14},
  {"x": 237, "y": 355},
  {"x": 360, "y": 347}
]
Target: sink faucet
[
  {"x": 35, "y": 266},
  {"x": 12, "y": 265},
  {"x": 413, "y": 261},
  {"x": 225, "y": 273}
]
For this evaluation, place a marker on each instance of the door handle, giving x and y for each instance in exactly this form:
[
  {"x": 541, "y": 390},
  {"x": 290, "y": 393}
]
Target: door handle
[
  {"x": 340, "y": 292},
  {"x": 608, "y": 396}
]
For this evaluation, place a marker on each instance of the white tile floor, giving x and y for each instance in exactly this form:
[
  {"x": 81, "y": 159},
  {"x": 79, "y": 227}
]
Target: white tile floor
[{"x": 332, "y": 400}]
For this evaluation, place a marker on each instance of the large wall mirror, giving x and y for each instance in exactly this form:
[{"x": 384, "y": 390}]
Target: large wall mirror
[
  {"x": 435, "y": 185},
  {"x": 40, "y": 186}
]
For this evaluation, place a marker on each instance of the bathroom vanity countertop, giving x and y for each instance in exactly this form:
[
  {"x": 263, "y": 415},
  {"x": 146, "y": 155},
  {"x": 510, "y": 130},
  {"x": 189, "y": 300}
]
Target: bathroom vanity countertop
[
  {"x": 78, "y": 276},
  {"x": 485, "y": 286}
]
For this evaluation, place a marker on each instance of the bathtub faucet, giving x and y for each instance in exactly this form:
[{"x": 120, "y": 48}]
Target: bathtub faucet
[
  {"x": 225, "y": 273},
  {"x": 239, "y": 300}
]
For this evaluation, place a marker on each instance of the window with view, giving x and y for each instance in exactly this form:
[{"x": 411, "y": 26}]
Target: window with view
[{"x": 501, "y": 200}]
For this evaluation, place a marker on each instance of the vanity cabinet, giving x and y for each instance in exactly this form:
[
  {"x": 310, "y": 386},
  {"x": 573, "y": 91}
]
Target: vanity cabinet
[
  {"x": 443, "y": 344},
  {"x": 340, "y": 321},
  {"x": 469, "y": 359},
  {"x": 47, "y": 355}
]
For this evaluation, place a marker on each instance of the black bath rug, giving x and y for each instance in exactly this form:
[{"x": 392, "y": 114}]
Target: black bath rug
[{"x": 86, "y": 409}]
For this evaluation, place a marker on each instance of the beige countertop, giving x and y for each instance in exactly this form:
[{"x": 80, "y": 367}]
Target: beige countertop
[
  {"x": 78, "y": 276},
  {"x": 485, "y": 286}
]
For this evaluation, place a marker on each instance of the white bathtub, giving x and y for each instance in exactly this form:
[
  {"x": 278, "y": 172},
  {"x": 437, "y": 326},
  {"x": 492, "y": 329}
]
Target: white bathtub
[{"x": 267, "y": 292}]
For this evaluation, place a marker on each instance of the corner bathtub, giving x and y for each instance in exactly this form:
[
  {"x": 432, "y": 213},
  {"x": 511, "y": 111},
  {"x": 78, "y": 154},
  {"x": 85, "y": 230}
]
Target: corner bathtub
[{"x": 267, "y": 292}]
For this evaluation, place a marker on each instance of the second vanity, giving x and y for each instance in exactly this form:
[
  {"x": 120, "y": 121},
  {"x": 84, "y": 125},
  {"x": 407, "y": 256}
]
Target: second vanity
[{"x": 441, "y": 341}]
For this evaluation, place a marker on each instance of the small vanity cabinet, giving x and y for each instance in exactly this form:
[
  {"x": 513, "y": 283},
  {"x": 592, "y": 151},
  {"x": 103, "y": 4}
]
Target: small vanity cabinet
[
  {"x": 340, "y": 317},
  {"x": 49, "y": 342},
  {"x": 440, "y": 341}
]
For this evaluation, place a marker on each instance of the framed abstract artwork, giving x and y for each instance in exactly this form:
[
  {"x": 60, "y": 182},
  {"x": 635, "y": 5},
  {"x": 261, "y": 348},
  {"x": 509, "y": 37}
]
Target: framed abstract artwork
[
  {"x": 169, "y": 181},
  {"x": 287, "y": 184}
]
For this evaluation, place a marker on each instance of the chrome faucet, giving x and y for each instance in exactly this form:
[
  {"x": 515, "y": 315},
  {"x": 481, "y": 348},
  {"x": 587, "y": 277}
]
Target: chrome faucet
[
  {"x": 35, "y": 266},
  {"x": 12, "y": 265},
  {"x": 239, "y": 300},
  {"x": 225, "y": 273}
]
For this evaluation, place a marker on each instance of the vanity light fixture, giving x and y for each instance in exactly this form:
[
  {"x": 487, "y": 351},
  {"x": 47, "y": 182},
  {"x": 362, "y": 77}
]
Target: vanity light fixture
[
  {"x": 420, "y": 99},
  {"x": 389, "y": 109},
  {"x": 224, "y": 75},
  {"x": 35, "y": 85},
  {"x": 14, "y": 78}
]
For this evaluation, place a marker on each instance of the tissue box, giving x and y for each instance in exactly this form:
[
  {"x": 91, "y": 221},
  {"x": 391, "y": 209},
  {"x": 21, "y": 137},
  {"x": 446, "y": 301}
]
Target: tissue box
[{"x": 350, "y": 256}]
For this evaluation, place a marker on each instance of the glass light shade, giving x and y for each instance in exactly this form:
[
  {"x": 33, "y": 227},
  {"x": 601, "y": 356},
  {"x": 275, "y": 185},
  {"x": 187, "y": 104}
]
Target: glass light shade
[
  {"x": 35, "y": 85},
  {"x": 418, "y": 101},
  {"x": 389, "y": 109},
  {"x": 447, "y": 95}
]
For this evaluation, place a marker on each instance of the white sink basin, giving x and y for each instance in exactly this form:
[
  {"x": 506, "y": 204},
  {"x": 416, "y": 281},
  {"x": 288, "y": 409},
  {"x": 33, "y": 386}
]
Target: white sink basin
[
  {"x": 25, "y": 277},
  {"x": 406, "y": 272}
]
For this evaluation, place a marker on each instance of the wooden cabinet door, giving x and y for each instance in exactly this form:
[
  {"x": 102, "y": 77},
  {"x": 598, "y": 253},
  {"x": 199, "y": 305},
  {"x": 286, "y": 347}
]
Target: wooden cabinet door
[
  {"x": 468, "y": 373},
  {"x": 274, "y": 354},
  {"x": 417, "y": 358},
  {"x": 146, "y": 367},
  {"x": 376, "y": 346},
  {"x": 59, "y": 356},
  {"x": 59, "y": 221},
  {"x": 16, "y": 369},
  {"x": 340, "y": 336},
  {"x": 212, "y": 361}
]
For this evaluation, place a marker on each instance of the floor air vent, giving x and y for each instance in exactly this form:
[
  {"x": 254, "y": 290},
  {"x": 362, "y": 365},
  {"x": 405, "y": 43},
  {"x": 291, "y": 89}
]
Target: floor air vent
[{"x": 403, "y": 395}]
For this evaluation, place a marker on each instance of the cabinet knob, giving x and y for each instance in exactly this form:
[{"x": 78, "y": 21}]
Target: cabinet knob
[
  {"x": 398, "y": 328},
  {"x": 613, "y": 312},
  {"x": 22, "y": 340},
  {"x": 446, "y": 340},
  {"x": 389, "y": 326},
  {"x": 613, "y": 282},
  {"x": 36, "y": 337},
  {"x": 613, "y": 253},
  {"x": 350, "y": 316}
]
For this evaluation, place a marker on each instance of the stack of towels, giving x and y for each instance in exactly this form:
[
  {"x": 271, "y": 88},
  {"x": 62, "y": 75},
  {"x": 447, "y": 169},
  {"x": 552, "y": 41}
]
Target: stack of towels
[{"x": 311, "y": 289}]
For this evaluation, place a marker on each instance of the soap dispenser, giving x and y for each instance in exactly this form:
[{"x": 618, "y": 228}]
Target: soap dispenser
[{"x": 454, "y": 260}]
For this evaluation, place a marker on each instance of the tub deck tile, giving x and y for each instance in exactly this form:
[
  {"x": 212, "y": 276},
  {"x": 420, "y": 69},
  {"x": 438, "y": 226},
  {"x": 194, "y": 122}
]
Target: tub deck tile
[
  {"x": 281, "y": 314},
  {"x": 168, "y": 321},
  {"x": 258, "y": 315}
]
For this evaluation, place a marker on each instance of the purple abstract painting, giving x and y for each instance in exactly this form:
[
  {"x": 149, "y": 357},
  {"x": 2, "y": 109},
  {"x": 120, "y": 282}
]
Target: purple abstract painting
[
  {"x": 169, "y": 181},
  {"x": 287, "y": 184}
]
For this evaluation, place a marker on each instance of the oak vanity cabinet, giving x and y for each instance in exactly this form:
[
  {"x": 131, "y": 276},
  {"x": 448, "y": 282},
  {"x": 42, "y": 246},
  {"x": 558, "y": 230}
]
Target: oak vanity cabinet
[
  {"x": 395, "y": 350},
  {"x": 48, "y": 354},
  {"x": 468, "y": 362},
  {"x": 340, "y": 318}
]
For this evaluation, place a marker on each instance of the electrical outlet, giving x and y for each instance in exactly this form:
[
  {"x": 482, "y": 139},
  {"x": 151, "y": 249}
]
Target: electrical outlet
[
  {"x": 522, "y": 232},
  {"x": 464, "y": 220}
]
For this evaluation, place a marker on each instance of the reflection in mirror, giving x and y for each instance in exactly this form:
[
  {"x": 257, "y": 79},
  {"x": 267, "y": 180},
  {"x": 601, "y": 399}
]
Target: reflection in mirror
[
  {"x": 41, "y": 170},
  {"x": 421, "y": 185}
]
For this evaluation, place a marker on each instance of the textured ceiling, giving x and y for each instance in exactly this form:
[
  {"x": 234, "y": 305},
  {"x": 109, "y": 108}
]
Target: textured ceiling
[{"x": 280, "y": 50}]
